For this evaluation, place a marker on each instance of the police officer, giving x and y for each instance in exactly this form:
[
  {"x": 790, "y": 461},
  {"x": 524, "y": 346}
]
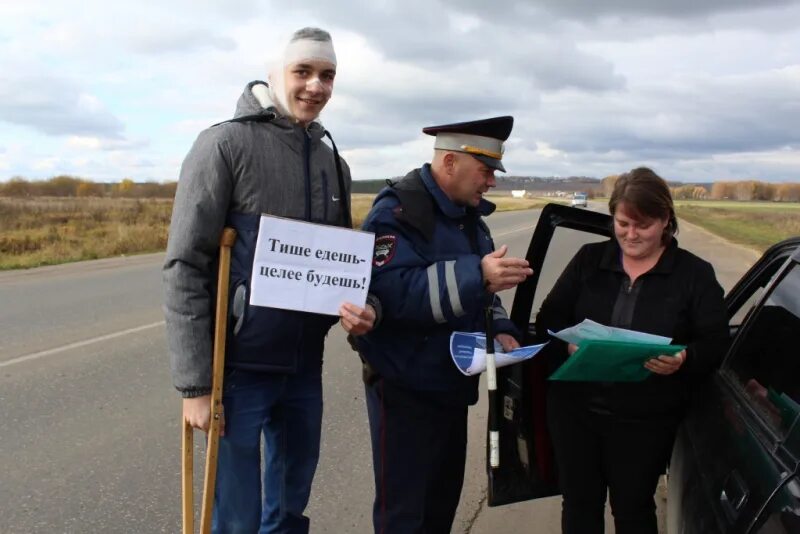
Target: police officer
[{"x": 434, "y": 272}]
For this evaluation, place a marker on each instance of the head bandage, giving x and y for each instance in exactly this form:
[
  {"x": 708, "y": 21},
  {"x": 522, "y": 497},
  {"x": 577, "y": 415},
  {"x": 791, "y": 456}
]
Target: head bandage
[
  {"x": 297, "y": 51},
  {"x": 306, "y": 49}
]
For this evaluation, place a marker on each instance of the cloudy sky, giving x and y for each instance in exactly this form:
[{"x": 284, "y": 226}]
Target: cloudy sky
[{"x": 699, "y": 90}]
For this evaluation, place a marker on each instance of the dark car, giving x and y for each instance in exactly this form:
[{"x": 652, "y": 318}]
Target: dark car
[{"x": 734, "y": 468}]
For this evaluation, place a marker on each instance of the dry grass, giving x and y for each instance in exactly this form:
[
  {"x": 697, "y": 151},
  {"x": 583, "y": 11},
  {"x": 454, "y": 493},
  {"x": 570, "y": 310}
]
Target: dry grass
[
  {"x": 754, "y": 224},
  {"x": 38, "y": 231},
  {"x": 50, "y": 230},
  {"x": 360, "y": 204},
  {"x": 45, "y": 231}
]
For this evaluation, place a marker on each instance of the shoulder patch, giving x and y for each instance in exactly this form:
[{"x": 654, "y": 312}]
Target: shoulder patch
[{"x": 384, "y": 250}]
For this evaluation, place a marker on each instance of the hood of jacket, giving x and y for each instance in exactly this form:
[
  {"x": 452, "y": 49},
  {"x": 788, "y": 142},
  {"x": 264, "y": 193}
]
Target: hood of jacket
[{"x": 256, "y": 100}]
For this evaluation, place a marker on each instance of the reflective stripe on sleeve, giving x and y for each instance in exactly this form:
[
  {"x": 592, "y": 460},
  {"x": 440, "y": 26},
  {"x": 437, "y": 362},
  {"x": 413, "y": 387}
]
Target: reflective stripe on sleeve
[
  {"x": 452, "y": 287},
  {"x": 433, "y": 293}
]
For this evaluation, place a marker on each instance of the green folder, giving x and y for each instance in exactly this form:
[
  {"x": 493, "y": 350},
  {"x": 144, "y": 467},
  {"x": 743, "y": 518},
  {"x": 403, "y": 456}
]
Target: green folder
[{"x": 611, "y": 361}]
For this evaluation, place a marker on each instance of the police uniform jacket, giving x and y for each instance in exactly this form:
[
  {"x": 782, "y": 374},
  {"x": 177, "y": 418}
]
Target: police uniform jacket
[{"x": 427, "y": 275}]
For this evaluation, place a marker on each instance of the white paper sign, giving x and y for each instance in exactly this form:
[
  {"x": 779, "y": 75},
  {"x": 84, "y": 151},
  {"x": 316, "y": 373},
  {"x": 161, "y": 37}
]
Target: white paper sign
[{"x": 310, "y": 267}]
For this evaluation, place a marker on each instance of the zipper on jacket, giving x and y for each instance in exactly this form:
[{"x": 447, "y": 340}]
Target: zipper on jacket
[
  {"x": 324, "y": 196},
  {"x": 628, "y": 285},
  {"x": 307, "y": 171},
  {"x": 625, "y": 303}
]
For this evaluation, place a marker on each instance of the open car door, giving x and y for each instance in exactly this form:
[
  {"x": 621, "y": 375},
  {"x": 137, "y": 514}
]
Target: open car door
[{"x": 527, "y": 469}]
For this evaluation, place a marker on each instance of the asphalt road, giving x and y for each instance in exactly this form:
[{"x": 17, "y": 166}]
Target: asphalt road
[{"x": 90, "y": 435}]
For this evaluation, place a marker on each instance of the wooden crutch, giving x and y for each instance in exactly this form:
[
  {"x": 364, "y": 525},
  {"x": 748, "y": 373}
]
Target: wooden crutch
[{"x": 218, "y": 366}]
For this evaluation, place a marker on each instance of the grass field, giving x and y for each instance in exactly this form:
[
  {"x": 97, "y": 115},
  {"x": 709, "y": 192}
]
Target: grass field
[
  {"x": 753, "y": 224},
  {"x": 45, "y": 231}
]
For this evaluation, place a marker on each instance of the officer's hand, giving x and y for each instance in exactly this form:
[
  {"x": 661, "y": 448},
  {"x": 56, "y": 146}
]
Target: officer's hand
[
  {"x": 197, "y": 412},
  {"x": 355, "y": 320},
  {"x": 572, "y": 348},
  {"x": 501, "y": 273},
  {"x": 507, "y": 341}
]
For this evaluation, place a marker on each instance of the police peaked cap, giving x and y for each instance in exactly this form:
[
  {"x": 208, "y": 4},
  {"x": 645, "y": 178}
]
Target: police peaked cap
[{"x": 482, "y": 139}]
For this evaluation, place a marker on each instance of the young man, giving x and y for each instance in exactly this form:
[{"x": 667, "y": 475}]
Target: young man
[
  {"x": 435, "y": 271},
  {"x": 270, "y": 159}
]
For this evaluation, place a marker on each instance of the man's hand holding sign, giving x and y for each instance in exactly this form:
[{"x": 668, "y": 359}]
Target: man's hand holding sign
[
  {"x": 314, "y": 268},
  {"x": 355, "y": 320}
]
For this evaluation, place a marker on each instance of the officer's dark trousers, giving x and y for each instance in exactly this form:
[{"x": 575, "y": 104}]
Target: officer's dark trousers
[
  {"x": 600, "y": 452},
  {"x": 419, "y": 446}
]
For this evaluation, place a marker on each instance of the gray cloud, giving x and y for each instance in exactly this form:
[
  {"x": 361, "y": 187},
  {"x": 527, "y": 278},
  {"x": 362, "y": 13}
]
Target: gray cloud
[
  {"x": 401, "y": 120},
  {"x": 511, "y": 11},
  {"x": 387, "y": 117},
  {"x": 677, "y": 9},
  {"x": 165, "y": 40},
  {"x": 420, "y": 30},
  {"x": 555, "y": 64},
  {"x": 699, "y": 120},
  {"x": 56, "y": 107},
  {"x": 695, "y": 89},
  {"x": 427, "y": 34}
]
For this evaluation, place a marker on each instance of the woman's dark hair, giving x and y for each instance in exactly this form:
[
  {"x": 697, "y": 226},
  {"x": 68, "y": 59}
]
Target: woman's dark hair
[{"x": 645, "y": 195}]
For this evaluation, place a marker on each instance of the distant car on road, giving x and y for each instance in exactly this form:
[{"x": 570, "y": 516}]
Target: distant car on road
[
  {"x": 735, "y": 467},
  {"x": 579, "y": 199}
]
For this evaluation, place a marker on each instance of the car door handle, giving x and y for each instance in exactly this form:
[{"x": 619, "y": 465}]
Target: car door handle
[{"x": 733, "y": 496}]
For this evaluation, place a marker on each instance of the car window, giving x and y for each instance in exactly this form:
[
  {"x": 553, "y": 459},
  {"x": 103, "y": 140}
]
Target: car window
[
  {"x": 563, "y": 246},
  {"x": 756, "y": 288},
  {"x": 744, "y": 310},
  {"x": 765, "y": 362}
]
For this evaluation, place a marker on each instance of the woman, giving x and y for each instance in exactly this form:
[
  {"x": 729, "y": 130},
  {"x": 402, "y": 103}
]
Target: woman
[{"x": 617, "y": 437}]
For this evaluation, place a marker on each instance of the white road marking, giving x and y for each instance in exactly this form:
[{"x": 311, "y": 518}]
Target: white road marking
[
  {"x": 515, "y": 230},
  {"x": 78, "y": 344}
]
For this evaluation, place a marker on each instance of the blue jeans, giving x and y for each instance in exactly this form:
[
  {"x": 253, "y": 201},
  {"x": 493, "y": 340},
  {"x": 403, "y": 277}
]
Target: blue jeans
[{"x": 287, "y": 411}]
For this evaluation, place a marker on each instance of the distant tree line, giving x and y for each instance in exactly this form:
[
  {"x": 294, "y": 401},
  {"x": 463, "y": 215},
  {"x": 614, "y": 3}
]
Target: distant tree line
[
  {"x": 72, "y": 186},
  {"x": 740, "y": 190},
  {"x": 369, "y": 186},
  {"x": 755, "y": 190},
  {"x": 690, "y": 192}
]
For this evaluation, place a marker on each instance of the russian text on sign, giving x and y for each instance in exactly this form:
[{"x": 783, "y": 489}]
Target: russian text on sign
[{"x": 310, "y": 267}]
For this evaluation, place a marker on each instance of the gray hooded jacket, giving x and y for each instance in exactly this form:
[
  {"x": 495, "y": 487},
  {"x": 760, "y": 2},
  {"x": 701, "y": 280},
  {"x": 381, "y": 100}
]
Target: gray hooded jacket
[{"x": 237, "y": 168}]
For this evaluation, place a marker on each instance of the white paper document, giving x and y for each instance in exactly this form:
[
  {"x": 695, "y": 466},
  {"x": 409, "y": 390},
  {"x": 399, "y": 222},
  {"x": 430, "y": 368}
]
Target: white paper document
[
  {"x": 589, "y": 330},
  {"x": 468, "y": 350},
  {"x": 310, "y": 267}
]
